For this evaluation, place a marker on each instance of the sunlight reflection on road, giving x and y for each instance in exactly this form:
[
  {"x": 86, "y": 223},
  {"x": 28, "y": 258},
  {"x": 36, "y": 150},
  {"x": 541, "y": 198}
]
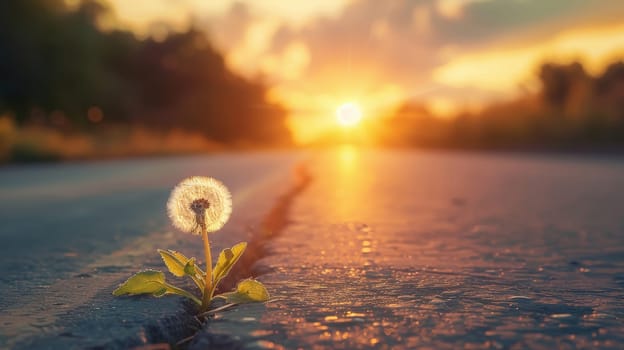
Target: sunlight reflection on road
[
  {"x": 348, "y": 178},
  {"x": 413, "y": 249}
]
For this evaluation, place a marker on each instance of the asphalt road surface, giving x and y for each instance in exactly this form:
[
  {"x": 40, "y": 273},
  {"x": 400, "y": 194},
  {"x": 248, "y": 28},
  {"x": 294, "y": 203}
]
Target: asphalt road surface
[
  {"x": 382, "y": 249},
  {"x": 70, "y": 233},
  {"x": 434, "y": 250}
]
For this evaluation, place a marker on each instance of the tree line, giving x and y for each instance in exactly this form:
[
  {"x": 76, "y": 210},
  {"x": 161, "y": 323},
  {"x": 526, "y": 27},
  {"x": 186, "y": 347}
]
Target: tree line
[
  {"x": 58, "y": 69},
  {"x": 572, "y": 110}
]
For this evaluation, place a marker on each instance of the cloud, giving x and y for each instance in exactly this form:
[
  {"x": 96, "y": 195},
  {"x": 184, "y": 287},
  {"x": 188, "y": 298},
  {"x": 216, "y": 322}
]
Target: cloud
[
  {"x": 406, "y": 41},
  {"x": 450, "y": 52},
  {"x": 452, "y": 9},
  {"x": 288, "y": 64},
  {"x": 502, "y": 69},
  {"x": 497, "y": 21}
]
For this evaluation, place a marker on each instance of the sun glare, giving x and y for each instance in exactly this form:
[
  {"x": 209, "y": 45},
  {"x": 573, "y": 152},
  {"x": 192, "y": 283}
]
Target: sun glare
[{"x": 348, "y": 114}]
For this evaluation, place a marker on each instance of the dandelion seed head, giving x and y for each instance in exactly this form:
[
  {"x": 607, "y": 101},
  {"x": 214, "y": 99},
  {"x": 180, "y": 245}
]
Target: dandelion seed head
[{"x": 199, "y": 202}]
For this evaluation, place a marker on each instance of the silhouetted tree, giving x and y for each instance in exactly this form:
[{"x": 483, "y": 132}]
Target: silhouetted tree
[
  {"x": 572, "y": 110},
  {"x": 56, "y": 64}
]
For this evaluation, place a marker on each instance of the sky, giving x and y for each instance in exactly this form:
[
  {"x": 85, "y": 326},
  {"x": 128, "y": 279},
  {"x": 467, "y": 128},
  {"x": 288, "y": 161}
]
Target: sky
[{"x": 451, "y": 55}]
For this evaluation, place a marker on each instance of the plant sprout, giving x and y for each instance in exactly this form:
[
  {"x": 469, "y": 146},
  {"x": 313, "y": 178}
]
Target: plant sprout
[{"x": 198, "y": 205}]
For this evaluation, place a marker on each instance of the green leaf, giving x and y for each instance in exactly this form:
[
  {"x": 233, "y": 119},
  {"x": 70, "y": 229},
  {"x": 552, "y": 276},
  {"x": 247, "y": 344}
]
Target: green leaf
[
  {"x": 160, "y": 293},
  {"x": 151, "y": 282},
  {"x": 144, "y": 282},
  {"x": 247, "y": 291},
  {"x": 175, "y": 261},
  {"x": 190, "y": 267},
  {"x": 179, "y": 291},
  {"x": 227, "y": 259},
  {"x": 180, "y": 266}
]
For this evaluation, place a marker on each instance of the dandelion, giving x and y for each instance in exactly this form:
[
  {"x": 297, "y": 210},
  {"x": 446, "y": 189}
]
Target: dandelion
[{"x": 199, "y": 203}]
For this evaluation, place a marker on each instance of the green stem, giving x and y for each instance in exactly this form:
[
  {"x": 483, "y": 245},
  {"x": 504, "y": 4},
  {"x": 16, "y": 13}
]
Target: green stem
[
  {"x": 212, "y": 290},
  {"x": 207, "y": 297},
  {"x": 183, "y": 293},
  {"x": 199, "y": 282}
]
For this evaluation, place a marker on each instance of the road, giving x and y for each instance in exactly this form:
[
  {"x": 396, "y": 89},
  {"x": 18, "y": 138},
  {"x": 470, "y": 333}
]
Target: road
[
  {"x": 435, "y": 250},
  {"x": 382, "y": 249},
  {"x": 70, "y": 233}
]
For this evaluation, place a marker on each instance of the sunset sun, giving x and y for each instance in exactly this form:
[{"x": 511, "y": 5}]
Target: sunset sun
[{"x": 348, "y": 114}]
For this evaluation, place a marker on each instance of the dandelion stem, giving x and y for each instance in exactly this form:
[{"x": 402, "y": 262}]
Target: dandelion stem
[{"x": 208, "y": 279}]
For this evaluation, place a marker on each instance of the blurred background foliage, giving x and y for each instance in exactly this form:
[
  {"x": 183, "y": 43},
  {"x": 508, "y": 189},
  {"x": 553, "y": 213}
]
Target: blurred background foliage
[
  {"x": 572, "y": 111},
  {"x": 70, "y": 90}
]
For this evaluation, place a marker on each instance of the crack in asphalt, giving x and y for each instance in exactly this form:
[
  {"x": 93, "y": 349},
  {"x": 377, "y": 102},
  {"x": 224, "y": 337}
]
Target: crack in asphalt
[
  {"x": 271, "y": 226},
  {"x": 92, "y": 316}
]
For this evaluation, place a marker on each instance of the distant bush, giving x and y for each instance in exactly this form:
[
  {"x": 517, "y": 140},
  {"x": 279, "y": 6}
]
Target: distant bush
[
  {"x": 61, "y": 72},
  {"x": 39, "y": 143},
  {"x": 571, "y": 111}
]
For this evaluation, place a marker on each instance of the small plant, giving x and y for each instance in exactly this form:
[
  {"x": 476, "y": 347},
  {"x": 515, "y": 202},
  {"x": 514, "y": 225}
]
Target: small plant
[{"x": 198, "y": 205}]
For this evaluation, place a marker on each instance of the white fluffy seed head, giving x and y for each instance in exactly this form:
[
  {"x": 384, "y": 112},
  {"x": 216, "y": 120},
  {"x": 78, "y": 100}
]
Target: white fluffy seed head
[{"x": 199, "y": 201}]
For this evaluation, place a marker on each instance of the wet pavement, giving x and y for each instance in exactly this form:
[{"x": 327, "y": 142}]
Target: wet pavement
[{"x": 435, "y": 250}]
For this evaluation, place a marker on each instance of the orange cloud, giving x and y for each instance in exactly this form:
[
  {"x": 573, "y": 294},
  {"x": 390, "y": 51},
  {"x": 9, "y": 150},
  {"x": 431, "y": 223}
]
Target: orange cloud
[
  {"x": 450, "y": 53},
  {"x": 502, "y": 69}
]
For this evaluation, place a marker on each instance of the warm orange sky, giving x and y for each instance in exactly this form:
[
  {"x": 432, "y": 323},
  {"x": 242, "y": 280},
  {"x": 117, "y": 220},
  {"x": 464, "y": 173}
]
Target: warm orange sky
[{"x": 451, "y": 54}]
